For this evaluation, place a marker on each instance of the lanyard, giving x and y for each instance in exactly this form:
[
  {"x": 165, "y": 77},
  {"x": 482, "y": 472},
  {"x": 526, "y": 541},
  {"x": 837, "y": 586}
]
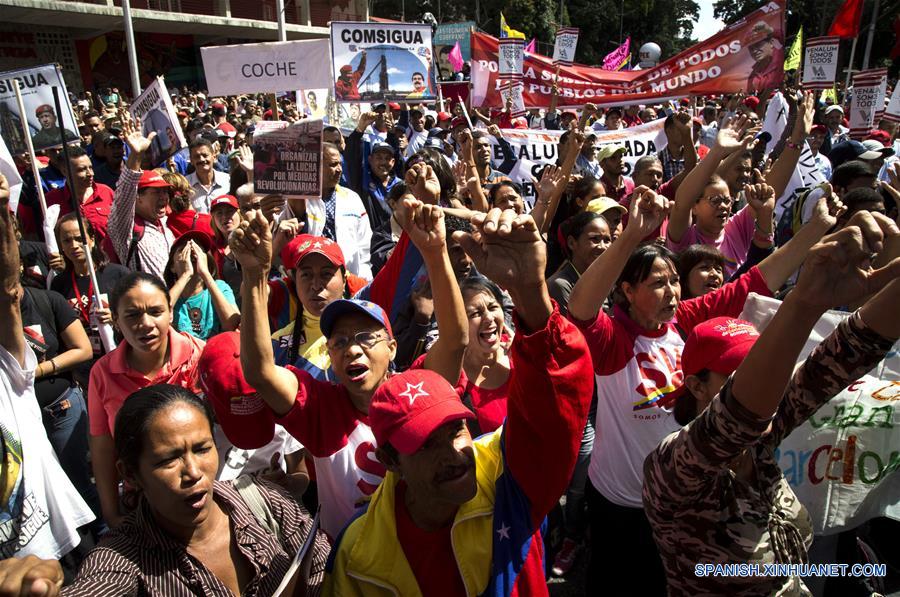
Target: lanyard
[{"x": 85, "y": 311}]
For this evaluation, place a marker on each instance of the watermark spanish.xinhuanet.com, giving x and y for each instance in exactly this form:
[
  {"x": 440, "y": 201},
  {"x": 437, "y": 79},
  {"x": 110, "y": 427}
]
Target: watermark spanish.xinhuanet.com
[{"x": 822, "y": 570}]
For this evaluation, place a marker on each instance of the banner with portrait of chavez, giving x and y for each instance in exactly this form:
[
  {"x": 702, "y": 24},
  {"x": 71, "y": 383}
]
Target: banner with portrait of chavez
[
  {"x": 748, "y": 56},
  {"x": 374, "y": 62},
  {"x": 44, "y": 124},
  {"x": 154, "y": 110}
]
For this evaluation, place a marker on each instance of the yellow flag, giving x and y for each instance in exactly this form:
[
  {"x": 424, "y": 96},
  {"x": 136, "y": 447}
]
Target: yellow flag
[
  {"x": 792, "y": 62},
  {"x": 830, "y": 93},
  {"x": 505, "y": 30}
]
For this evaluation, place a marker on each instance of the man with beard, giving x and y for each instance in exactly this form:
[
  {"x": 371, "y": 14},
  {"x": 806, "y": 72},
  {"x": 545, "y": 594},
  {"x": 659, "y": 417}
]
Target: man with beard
[{"x": 455, "y": 516}]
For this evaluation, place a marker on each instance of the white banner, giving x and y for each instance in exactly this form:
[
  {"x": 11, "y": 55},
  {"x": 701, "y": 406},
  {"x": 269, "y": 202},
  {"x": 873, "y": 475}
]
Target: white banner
[
  {"x": 266, "y": 67},
  {"x": 153, "y": 109},
  {"x": 535, "y": 148},
  {"x": 820, "y": 62},
  {"x": 511, "y": 54},
  {"x": 842, "y": 462},
  {"x": 44, "y": 124},
  {"x": 378, "y": 61},
  {"x": 9, "y": 170},
  {"x": 564, "y": 48},
  {"x": 868, "y": 99}
]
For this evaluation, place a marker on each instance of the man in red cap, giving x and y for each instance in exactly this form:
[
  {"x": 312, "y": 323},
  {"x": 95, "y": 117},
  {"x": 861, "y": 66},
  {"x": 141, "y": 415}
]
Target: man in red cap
[
  {"x": 768, "y": 57},
  {"x": 457, "y": 517},
  {"x": 329, "y": 418},
  {"x": 50, "y": 134},
  {"x": 137, "y": 221},
  {"x": 347, "y": 85}
]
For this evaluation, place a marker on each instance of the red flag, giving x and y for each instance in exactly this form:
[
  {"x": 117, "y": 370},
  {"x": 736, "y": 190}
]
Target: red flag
[{"x": 846, "y": 21}]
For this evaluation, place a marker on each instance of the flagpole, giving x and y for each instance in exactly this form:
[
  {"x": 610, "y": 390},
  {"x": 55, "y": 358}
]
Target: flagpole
[
  {"x": 850, "y": 66},
  {"x": 868, "y": 51}
]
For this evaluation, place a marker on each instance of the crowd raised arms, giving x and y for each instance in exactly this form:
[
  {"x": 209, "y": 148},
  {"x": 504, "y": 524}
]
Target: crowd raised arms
[{"x": 457, "y": 366}]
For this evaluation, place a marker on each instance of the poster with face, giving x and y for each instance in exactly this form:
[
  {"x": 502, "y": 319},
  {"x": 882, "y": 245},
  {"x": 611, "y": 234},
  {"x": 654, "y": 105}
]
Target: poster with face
[
  {"x": 313, "y": 102},
  {"x": 447, "y": 35},
  {"x": 375, "y": 62},
  {"x": 154, "y": 110},
  {"x": 45, "y": 127}
]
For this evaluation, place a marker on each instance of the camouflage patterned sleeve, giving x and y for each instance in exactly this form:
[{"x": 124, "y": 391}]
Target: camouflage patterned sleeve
[
  {"x": 845, "y": 355},
  {"x": 687, "y": 462}
]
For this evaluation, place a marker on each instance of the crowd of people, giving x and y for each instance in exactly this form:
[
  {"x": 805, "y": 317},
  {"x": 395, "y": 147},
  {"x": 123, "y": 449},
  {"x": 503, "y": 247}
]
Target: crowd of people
[{"x": 433, "y": 362}]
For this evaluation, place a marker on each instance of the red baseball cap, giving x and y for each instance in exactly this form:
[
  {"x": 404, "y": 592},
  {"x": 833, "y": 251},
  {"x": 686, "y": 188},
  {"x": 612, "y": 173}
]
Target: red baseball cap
[
  {"x": 245, "y": 418},
  {"x": 229, "y": 200},
  {"x": 304, "y": 244},
  {"x": 458, "y": 121},
  {"x": 442, "y": 116},
  {"x": 200, "y": 237},
  {"x": 152, "y": 179},
  {"x": 881, "y": 136},
  {"x": 751, "y": 102},
  {"x": 719, "y": 344},
  {"x": 408, "y": 407},
  {"x": 818, "y": 128},
  {"x": 394, "y": 106}
]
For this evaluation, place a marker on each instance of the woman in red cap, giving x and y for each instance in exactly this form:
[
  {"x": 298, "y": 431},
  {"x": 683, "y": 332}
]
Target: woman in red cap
[
  {"x": 713, "y": 491},
  {"x": 637, "y": 353},
  {"x": 203, "y": 305},
  {"x": 224, "y": 217}
]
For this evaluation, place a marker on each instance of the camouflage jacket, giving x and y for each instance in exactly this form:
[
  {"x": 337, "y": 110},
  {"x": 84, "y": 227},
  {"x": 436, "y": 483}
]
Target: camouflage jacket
[{"x": 702, "y": 513}]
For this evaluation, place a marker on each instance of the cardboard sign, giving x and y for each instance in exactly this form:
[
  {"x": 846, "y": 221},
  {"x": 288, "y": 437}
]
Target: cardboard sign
[
  {"x": 820, "y": 62},
  {"x": 287, "y": 158},
  {"x": 564, "y": 48},
  {"x": 374, "y": 62},
  {"x": 266, "y": 67},
  {"x": 44, "y": 124},
  {"x": 892, "y": 112},
  {"x": 868, "y": 100},
  {"x": 511, "y": 53},
  {"x": 154, "y": 110}
]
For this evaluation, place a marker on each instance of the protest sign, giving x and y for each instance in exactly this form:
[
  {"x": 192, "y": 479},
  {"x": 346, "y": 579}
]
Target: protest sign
[
  {"x": 266, "y": 67},
  {"x": 154, "y": 110},
  {"x": 534, "y": 148},
  {"x": 721, "y": 64},
  {"x": 447, "y": 36},
  {"x": 512, "y": 94},
  {"x": 564, "y": 47},
  {"x": 868, "y": 100},
  {"x": 313, "y": 102},
  {"x": 511, "y": 52},
  {"x": 287, "y": 158},
  {"x": 820, "y": 62},
  {"x": 892, "y": 112},
  {"x": 378, "y": 61},
  {"x": 842, "y": 461},
  {"x": 9, "y": 170},
  {"x": 43, "y": 122}
]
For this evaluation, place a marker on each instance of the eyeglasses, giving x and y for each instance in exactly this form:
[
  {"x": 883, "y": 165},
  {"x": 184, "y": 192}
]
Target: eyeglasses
[
  {"x": 719, "y": 200},
  {"x": 366, "y": 340}
]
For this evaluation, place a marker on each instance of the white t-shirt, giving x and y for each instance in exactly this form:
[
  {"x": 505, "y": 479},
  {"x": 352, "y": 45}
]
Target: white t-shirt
[
  {"x": 234, "y": 462},
  {"x": 40, "y": 509}
]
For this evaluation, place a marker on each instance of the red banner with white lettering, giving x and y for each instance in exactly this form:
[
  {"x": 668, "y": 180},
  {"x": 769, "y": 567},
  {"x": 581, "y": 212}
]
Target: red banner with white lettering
[{"x": 748, "y": 55}]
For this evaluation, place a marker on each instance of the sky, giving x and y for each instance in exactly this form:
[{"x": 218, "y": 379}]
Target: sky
[{"x": 706, "y": 25}]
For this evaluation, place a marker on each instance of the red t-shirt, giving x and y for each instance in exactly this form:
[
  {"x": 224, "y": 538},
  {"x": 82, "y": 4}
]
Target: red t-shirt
[
  {"x": 95, "y": 208},
  {"x": 429, "y": 553}
]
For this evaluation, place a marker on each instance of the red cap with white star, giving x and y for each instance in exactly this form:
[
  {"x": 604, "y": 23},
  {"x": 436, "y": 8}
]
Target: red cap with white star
[{"x": 408, "y": 407}]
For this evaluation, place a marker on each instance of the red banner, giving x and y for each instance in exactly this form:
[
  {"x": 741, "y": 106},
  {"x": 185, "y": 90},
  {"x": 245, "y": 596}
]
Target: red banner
[{"x": 745, "y": 56}]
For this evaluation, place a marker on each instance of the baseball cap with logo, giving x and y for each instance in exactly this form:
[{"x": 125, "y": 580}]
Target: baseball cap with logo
[
  {"x": 341, "y": 307},
  {"x": 720, "y": 345},
  {"x": 229, "y": 200},
  {"x": 304, "y": 244},
  {"x": 245, "y": 418},
  {"x": 409, "y": 407},
  {"x": 152, "y": 179}
]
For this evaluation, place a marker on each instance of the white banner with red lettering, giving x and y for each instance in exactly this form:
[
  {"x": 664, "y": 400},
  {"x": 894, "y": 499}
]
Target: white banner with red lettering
[{"x": 842, "y": 463}]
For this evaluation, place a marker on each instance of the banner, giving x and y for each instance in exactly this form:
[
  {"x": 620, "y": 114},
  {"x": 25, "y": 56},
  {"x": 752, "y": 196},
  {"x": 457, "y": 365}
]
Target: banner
[
  {"x": 534, "y": 148},
  {"x": 564, "y": 47},
  {"x": 892, "y": 112},
  {"x": 445, "y": 38},
  {"x": 266, "y": 67},
  {"x": 154, "y": 110},
  {"x": 747, "y": 55},
  {"x": 287, "y": 158},
  {"x": 868, "y": 99},
  {"x": 9, "y": 170},
  {"x": 616, "y": 59},
  {"x": 511, "y": 53},
  {"x": 842, "y": 461},
  {"x": 380, "y": 61},
  {"x": 36, "y": 85},
  {"x": 820, "y": 63}
]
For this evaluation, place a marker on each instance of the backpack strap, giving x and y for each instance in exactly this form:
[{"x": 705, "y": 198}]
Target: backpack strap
[
  {"x": 253, "y": 497},
  {"x": 137, "y": 233}
]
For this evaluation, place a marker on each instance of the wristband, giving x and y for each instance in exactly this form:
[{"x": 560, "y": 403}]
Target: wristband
[{"x": 792, "y": 145}]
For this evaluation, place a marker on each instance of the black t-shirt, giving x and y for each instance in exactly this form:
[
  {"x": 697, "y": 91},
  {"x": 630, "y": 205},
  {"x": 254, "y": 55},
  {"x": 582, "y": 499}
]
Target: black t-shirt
[
  {"x": 35, "y": 263},
  {"x": 45, "y": 314},
  {"x": 108, "y": 276}
]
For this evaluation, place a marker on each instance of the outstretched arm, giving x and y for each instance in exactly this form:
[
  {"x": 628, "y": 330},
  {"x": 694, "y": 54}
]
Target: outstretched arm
[{"x": 11, "y": 337}]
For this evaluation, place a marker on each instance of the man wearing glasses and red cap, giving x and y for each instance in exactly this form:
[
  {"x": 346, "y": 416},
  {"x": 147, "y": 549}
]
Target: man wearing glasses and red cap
[{"x": 455, "y": 516}]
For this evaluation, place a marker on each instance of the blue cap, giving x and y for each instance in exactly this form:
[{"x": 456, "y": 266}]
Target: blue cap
[
  {"x": 382, "y": 146},
  {"x": 340, "y": 307}
]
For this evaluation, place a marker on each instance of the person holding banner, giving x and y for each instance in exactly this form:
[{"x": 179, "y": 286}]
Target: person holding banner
[{"x": 741, "y": 396}]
